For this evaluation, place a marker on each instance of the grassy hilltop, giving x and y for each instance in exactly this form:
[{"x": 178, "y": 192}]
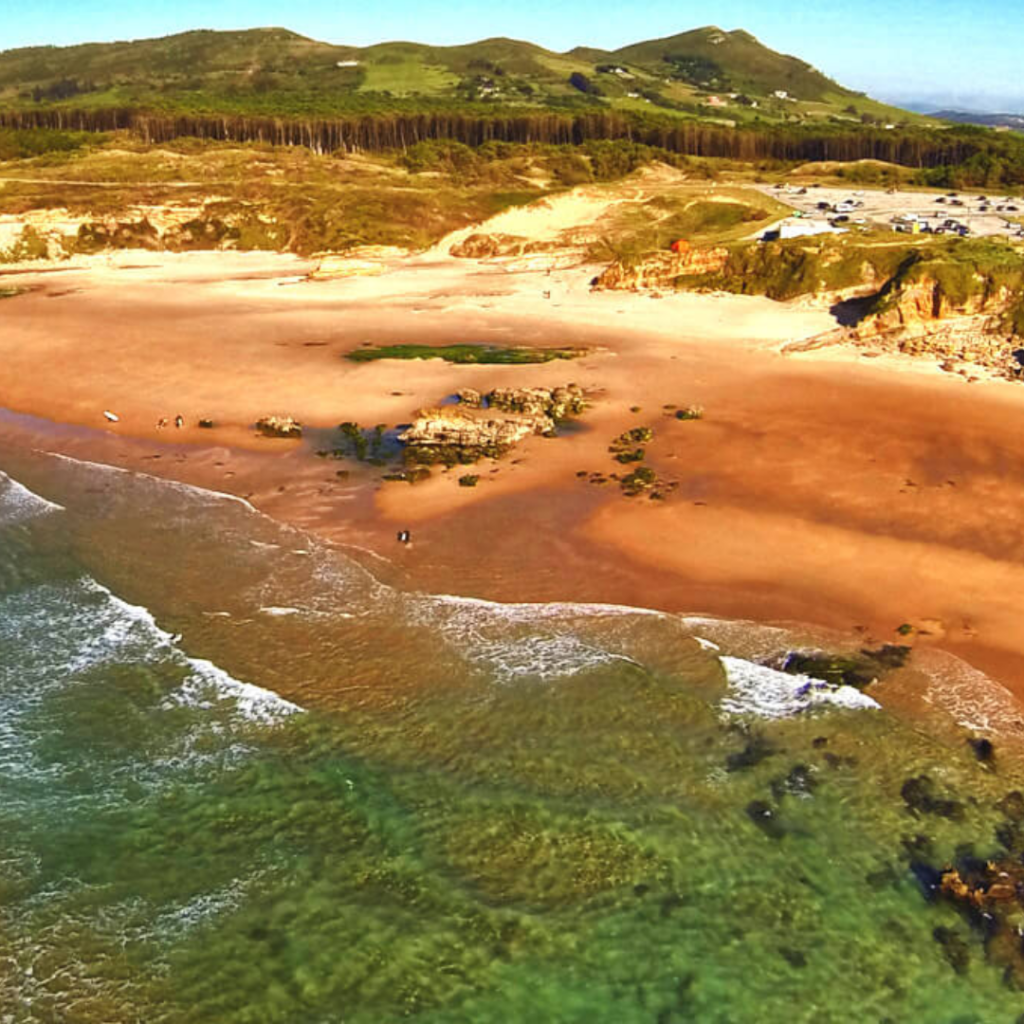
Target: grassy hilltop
[{"x": 703, "y": 73}]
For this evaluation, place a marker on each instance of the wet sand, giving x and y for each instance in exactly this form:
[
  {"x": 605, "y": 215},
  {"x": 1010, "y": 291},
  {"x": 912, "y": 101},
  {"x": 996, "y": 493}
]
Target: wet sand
[{"x": 850, "y": 493}]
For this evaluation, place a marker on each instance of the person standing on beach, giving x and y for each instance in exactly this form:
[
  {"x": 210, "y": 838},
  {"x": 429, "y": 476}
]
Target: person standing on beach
[{"x": 179, "y": 421}]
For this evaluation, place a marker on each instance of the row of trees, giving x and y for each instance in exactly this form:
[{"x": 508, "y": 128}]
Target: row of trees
[{"x": 918, "y": 148}]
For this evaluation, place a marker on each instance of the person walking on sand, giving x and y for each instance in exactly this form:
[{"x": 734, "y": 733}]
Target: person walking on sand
[
  {"x": 404, "y": 537},
  {"x": 161, "y": 423},
  {"x": 179, "y": 421}
]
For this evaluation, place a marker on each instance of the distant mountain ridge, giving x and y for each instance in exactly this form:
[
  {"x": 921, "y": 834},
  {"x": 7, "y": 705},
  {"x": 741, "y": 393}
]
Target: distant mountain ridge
[
  {"x": 706, "y": 71},
  {"x": 1012, "y": 121}
]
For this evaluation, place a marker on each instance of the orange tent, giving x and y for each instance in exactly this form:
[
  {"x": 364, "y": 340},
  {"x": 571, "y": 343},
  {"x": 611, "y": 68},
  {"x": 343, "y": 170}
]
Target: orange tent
[{"x": 680, "y": 245}]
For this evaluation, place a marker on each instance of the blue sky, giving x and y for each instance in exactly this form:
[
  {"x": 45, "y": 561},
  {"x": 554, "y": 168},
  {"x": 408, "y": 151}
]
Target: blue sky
[{"x": 901, "y": 50}]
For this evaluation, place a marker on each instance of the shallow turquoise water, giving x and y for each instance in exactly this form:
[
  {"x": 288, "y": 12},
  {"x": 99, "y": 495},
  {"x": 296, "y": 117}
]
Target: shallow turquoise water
[{"x": 331, "y": 801}]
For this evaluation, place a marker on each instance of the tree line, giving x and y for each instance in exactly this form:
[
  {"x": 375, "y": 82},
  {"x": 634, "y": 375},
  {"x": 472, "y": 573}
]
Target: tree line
[{"x": 909, "y": 147}]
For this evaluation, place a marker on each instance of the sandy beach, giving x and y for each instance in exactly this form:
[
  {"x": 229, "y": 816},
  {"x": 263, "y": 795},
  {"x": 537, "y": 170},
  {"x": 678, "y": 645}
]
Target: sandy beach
[{"x": 828, "y": 488}]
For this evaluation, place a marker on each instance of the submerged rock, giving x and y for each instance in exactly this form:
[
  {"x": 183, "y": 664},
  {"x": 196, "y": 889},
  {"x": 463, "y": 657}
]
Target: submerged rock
[
  {"x": 756, "y": 750},
  {"x": 955, "y": 949},
  {"x": 857, "y": 670},
  {"x": 1012, "y": 805},
  {"x": 765, "y": 817},
  {"x": 919, "y": 795},
  {"x": 984, "y": 749},
  {"x": 990, "y": 894},
  {"x": 800, "y": 781}
]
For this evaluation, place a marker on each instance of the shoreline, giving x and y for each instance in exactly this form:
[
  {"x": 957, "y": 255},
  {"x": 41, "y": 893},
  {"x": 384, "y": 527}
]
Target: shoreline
[{"x": 847, "y": 493}]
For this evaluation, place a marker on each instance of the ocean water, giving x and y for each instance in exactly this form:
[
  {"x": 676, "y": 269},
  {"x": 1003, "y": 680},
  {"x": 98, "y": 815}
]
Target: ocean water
[{"x": 244, "y": 781}]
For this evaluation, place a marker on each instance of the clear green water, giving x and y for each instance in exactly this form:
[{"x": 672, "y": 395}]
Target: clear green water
[{"x": 467, "y": 813}]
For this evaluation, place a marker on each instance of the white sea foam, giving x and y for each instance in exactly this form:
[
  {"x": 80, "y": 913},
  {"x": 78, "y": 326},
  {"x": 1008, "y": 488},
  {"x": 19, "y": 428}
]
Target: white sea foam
[
  {"x": 768, "y": 693},
  {"x": 208, "y": 683},
  {"x": 18, "y": 503},
  {"x": 561, "y": 640},
  {"x": 202, "y": 908},
  {"x": 753, "y": 640},
  {"x": 207, "y": 680},
  {"x": 973, "y": 699},
  {"x": 175, "y": 485},
  {"x": 535, "y": 611},
  {"x": 540, "y": 657},
  {"x": 102, "y": 466}
]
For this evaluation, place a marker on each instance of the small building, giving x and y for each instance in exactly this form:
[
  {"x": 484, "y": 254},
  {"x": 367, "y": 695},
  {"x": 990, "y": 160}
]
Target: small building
[{"x": 799, "y": 229}]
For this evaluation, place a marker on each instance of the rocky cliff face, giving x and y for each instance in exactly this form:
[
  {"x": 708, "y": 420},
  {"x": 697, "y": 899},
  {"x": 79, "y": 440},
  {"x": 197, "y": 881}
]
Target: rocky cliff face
[
  {"x": 915, "y": 305},
  {"x": 59, "y": 234},
  {"x": 660, "y": 269},
  {"x": 483, "y": 246},
  {"x": 965, "y": 317},
  {"x": 961, "y": 328}
]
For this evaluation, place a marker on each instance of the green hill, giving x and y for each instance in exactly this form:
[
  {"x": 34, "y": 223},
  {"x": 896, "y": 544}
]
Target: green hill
[
  {"x": 731, "y": 61},
  {"x": 703, "y": 73}
]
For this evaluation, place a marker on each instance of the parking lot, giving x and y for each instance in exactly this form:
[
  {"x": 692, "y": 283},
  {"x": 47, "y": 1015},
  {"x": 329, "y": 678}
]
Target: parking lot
[{"x": 974, "y": 214}]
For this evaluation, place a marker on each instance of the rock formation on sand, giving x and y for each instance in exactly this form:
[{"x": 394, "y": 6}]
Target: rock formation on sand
[
  {"x": 925, "y": 313},
  {"x": 482, "y": 246},
  {"x": 488, "y": 425},
  {"x": 660, "y": 269},
  {"x": 279, "y": 426},
  {"x": 556, "y": 403}
]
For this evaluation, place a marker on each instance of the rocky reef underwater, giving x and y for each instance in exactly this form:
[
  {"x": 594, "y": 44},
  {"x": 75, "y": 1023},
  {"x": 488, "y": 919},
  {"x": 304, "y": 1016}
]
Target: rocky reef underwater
[{"x": 255, "y": 783}]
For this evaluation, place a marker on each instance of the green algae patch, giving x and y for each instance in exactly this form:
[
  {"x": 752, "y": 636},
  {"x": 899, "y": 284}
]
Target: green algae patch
[
  {"x": 526, "y": 856},
  {"x": 466, "y": 354}
]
